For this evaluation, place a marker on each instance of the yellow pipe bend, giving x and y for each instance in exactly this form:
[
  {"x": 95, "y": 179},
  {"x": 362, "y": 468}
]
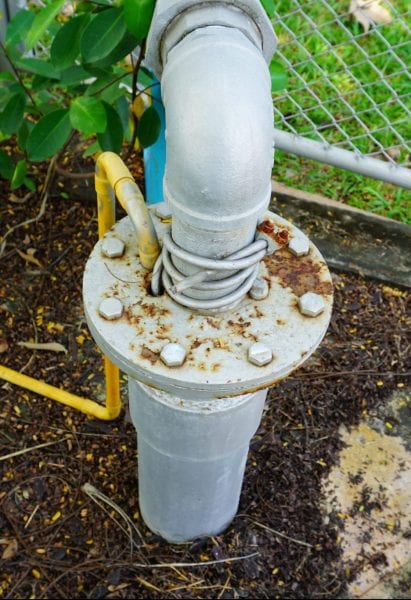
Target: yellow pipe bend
[
  {"x": 108, "y": 412},
  {"x": 112, "y": 179}
]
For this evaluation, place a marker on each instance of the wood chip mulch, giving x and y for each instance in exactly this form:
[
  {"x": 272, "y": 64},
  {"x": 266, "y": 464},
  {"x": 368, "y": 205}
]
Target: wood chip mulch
[{"x": 56, "y": 541}]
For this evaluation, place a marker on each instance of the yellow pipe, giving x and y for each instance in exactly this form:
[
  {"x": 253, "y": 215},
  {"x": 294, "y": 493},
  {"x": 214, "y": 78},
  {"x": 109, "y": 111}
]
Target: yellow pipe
[
  {"x": 112, "y": 175},
  {"x": 108, "y": 412},
  {"x": 112, "y": 178}
]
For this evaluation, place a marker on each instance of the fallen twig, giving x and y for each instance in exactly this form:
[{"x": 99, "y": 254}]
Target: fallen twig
[
  {"x": 71, "y": 175},
  {"x": 196, "y": 564},
  {"x": 50, "y": 346},
  {"x": 96, "y": 495},
  {"x": 283, "y": 535},
  {"x": 25, "y": 450}
]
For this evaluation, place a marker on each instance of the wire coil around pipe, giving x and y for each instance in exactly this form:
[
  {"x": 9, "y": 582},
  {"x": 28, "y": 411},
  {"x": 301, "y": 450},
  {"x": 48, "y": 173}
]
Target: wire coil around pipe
[{"x": 244, "y": 263}]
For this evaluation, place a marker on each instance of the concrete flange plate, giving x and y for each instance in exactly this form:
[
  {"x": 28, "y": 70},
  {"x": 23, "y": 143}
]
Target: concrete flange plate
[{"x": 216, "y": 364}]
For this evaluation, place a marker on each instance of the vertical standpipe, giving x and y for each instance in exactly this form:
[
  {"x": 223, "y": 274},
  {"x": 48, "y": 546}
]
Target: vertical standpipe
[
  {"x": 219, "y": 131},
  {"x": 195, "y": 417},
  {"x": 192, "y": 454}
]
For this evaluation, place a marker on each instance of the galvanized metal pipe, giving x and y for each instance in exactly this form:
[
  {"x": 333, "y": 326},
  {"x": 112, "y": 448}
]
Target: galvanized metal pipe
[
  {"x": 193, "y": 377},
  {"x": 219, "y": 141},
  {"x": 343, "y": 159},
  {"x": 192, "y": 455},
  {"x": 211, "y": 59},
  {"x": 193, "y": 438}
]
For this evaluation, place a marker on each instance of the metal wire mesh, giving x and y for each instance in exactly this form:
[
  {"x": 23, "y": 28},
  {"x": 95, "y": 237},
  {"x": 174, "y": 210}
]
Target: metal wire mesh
[{"x": 347, "y": 88}]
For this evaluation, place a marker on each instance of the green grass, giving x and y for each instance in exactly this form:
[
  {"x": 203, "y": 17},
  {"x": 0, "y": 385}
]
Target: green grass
[
  {"x": 353, "y": 189},
  {"x": 343, "y": 76}
]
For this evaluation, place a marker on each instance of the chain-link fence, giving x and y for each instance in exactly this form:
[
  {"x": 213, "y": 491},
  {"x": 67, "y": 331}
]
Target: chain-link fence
[{"x": 347, "y": 102}]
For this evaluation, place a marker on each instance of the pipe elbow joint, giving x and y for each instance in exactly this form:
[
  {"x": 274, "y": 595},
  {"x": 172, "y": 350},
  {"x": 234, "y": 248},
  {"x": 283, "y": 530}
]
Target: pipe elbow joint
[
  {"x": 220, "y": 134},
  {"x": 216, "y": 88}
]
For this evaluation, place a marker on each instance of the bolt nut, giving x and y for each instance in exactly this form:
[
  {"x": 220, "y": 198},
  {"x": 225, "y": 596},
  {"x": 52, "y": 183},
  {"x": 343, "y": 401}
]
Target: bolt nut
[
  {"x": 173, "y": 355},
  {"x": 259, "y": 290},
  {"x": 163, "y": 211},
  {"x": 112, "y": 247},
  {"x": 259, "y": 354},
  {"x": 299, "y": 246},
  {"x": 111, "y": 309},
  {"x": 272, "y": 245},
  {"x": 311, "y": 304}
]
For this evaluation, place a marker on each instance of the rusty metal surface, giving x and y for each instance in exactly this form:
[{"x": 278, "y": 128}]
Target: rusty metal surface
[{"x": 216, "y": 363}]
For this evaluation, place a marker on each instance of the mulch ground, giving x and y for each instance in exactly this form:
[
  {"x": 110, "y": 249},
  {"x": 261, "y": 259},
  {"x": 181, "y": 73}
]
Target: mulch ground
[{"x": 58, "y": 542}]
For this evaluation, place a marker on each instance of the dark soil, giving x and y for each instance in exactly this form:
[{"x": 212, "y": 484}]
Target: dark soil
[{"x": 57, "y": 542}]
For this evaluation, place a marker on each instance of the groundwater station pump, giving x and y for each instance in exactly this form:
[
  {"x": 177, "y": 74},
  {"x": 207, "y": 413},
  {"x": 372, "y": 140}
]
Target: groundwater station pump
[{"x": 238, "y": 297}]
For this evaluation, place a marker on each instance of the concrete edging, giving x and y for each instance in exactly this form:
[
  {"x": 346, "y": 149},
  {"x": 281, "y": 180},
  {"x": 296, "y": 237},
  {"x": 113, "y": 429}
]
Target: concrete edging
[{"x": 350, "y": 239}]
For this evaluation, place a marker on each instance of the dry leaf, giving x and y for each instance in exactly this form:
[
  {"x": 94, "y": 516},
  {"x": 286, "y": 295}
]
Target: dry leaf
[
  {"x": 3, "y": 345},
  {"x": 52, "y": 346},
  {"x": 10, "y": 550},
  {"x": 29, "y": 257},
  {"x": 368, "y": 12},
  {"x": 118, "y": 588}
]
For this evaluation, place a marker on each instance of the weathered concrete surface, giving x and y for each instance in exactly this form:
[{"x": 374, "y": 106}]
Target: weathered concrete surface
[
  {"x": 350, "y": 239},
  {"x": 368, "y": 494}
]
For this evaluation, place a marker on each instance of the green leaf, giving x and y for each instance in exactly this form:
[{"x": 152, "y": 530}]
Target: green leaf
[
  {"x": 29, "y": 183},
  {"x": 92, "y": 149},
  {"x": 23, "y": 134},
  {"x": 40, "y": 83},
  {"x": 87, "y": 114},
  {"x": 74, "y": 75},
  {"x": 122, "y": 106},
  {"x": 12, "y": 115},
  {"x": 269, "y": 7},
  {"x": 19, "y": 174},
  {"x": 84, "y": 7},
  {"x": 124, "y": 47},
  {"x": 149, "y": 127},
  {"x": 108, "y": 80},
  {"x": 138, "y": 15},
  {"x": 96, "y": 71},
  {"x": 6, "y": 76},
  {"x": 49, "y": 135},
  {"x": 6, "y": 166},
  {"x": 100, "y": 2},
  {"x": 102, "y": 34},
  {"x": 38, "y": 66},
  {"x": 42, "y": 21},
  {"x": 145, "y": 77},
  {"x": 66, "y": 45},
  {"x": 112, "y": 138},
  {"x": 18, "y": 27},
  {"x": 46, "y": 103},
  {"x": 279, "y": 78}
]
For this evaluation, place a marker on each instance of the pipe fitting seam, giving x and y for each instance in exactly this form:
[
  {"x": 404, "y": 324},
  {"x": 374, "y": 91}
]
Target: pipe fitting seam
[
  {"x": 213, "y": 14},
  {"x": 167, "y": 11}
]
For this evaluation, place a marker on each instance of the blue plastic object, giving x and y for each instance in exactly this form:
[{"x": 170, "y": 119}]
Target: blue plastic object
[{"x": 155, "y": 155}]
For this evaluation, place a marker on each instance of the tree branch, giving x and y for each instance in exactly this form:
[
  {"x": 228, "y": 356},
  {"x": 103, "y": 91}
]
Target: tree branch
[
  {"x": 17, "y": 74},
  {"x": 134, "y": 94}
]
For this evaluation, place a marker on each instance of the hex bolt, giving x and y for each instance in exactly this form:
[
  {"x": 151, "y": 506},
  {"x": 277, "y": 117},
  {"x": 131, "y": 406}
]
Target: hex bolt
[
  {"x": 259, "y": 289},
  {"x": 113, "y": 247},
  {"x": 111, "y": 309},
  {"x": 259, "y": 354},
  {"x": 311, "y": 304},
  {"x": 299, "y": 246},
  {"x": 163, "y": 211},
  {"x": 173, "y": 355}
]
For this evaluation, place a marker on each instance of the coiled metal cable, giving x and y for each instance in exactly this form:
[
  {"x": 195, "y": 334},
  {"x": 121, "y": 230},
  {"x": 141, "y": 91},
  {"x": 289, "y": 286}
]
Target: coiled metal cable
[{"x": 244, "y": 263}]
